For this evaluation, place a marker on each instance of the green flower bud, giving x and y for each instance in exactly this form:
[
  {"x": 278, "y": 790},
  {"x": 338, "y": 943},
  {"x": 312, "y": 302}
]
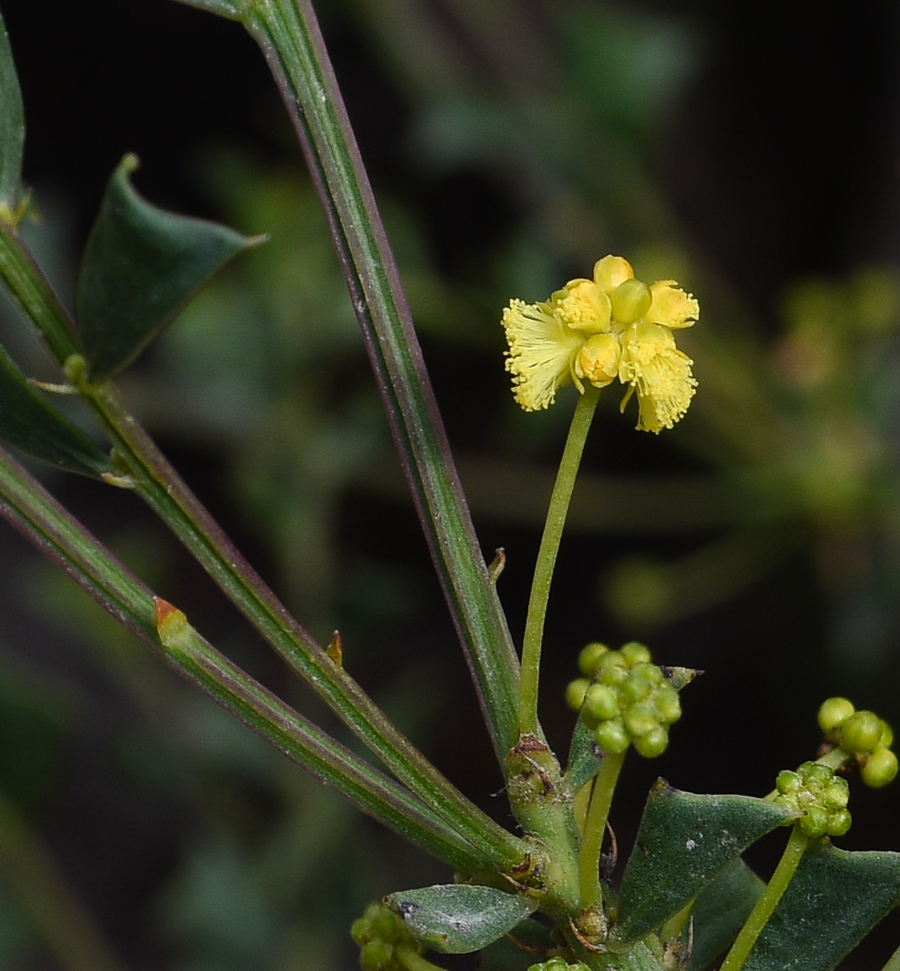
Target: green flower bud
[
  {"x": 838, "y": 823},
  {"x": 601, "y": 702},
  {"x": 635, "y": 653},
  {"x": 630, "y": 300},
  {"x": 837, "y": 794},
  {"x": 558, "y": 964},
  {"x": 635, "y": 688},
  {"x": 816, "y": 775},
  {"x": 815, "y": 823},
  {"x": 788, "y": 782},
  {"x": 650, "y": 671},
  {"x": 652, "y": 744},
  {"x": 887, "y": 734},
  {"x": 613, "y": 668},
  {"x": 880, "y": 768},
  {"x": 612, "y": 737},
  {"x": 640, "y": 719},
  {"x": 667, "y": 704},
  {"x": 375, "y": 955},
  {"x": 834, "y": 712},
  {"x": 575, "y": 692},
  {"x": 861, "y": 732},
  {"x": 589, "y": 658}
]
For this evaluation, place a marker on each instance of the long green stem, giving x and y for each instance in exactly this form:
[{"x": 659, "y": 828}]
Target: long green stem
[
  {"x": 766, "y": 904},
  {"x": 546, "y": 559},
  {"x": 42, "y": 520},
  {"x": 290, "y": 39},
  {"x": 164, "y": 490},
  {"x": 160, "y": 485},
  {"x": 595, "y": 829}
]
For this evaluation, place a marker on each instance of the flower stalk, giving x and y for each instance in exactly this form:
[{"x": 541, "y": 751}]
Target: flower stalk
[
  {"x": 546, "y": 559},
  {"x": 766, "y": 904}
]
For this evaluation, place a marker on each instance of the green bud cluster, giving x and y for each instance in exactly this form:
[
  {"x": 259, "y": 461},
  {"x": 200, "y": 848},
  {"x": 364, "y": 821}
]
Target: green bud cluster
[
  {"x": 866, "y": 736},
  {"x": 559, "y": 964},
  {"x": 378, "y": 933},
  {"x": 625, "y": 699},
  {"x": 817, "y": 792}
]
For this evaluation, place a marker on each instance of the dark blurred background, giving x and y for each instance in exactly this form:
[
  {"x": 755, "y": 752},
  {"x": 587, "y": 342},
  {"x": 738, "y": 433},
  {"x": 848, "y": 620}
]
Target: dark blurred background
[{"x": 750, "y": 151}]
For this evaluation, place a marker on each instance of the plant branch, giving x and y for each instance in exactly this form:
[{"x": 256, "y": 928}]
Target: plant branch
[
  {"x": 289, "y": 36},
  {"x": 167, "y": 494},
  {"x": 595, "y": 829},
  {"x": 42, "y": 520}
]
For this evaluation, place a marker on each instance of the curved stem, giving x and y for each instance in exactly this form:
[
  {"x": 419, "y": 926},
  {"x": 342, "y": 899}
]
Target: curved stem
[
  {"x": 168, "y": 495},
  {"x": 761, "y": 913},
  {"x": 595, "y": 829},
  {"x": 546, "y": 560}
]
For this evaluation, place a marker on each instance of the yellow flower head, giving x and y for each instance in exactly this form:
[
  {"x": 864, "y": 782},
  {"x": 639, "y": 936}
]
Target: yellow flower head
[{"x": 596, "y": 331}]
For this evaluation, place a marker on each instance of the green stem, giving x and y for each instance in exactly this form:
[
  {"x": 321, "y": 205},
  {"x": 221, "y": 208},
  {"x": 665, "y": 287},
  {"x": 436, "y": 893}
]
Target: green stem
[
  {"x": 766, "y": 904},
  {"x": 412, "y": 960},
  {"x": 304, "y": 743},
  {"x": 42, "y": 520},
  {"x": 546, "y": 560},
  {"x": 158, "y": 483},
  {"x": 595, "y": 829},
  {"x": 35, "y": 297},
  {"x": 289, "y": 36},
  {"x": 167, "y": 494}
]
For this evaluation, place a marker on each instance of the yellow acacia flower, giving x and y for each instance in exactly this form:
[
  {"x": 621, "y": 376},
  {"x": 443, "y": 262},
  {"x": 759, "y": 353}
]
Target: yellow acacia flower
[{"x": 596, "y": 331}]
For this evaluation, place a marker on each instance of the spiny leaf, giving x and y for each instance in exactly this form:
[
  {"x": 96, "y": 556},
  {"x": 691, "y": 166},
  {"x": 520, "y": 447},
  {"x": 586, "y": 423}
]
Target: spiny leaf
[
  {"x": 684, "y": 842},
  {"x": 140, "y": 267},
  {"x": 833, "y": 901}
]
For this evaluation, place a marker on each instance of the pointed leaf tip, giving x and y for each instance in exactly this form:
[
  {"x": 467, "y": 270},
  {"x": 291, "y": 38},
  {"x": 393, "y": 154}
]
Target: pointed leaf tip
[
  {"x": 12, "y": 129},
  {"x": 684, "y": 842},
  {"x": 141, "y": 266}
]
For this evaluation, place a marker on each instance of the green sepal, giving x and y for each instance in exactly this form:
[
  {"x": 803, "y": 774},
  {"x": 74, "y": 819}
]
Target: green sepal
[
  {"x": 834, "y": 899},
  {"x": 140, "y": 267},
  {"x": 684, "y": 842},
  {"x": 30, "y": 423},
  {"x": 584, "y": 757},
  {"x": 459, "y": 918},
  {"x": 721, "y": 910},
  {"x": 12, "y": 125}
]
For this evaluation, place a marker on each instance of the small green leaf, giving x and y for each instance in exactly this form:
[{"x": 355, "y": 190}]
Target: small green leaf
[
  {"x": 721, "y": 910},
  {"x": 459, "y": 918},
  {"x": 30, "y": 423},
  {"x": 684, "y": 842},
  {"x": 12, "y": 125},
  {"x": 140, "y": 267},
  {"x": 833, "y": 901}
]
